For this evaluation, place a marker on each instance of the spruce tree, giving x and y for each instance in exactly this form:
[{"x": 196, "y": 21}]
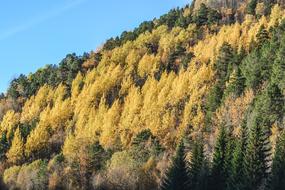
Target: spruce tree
[
  {"x": 198, "y": 168},
  {"x": 219, "y": 173},
  {"x": 262, "y": 36},
  {"x": 236, "y": 177},
  {"x": 4, "y": 145},
  {"x": 223, "y": 68},
  {"x": 251, "y": 7},
  {"x": 257, "y": 157},
  {"x": 278, "y": 167},
  {"x": 176, "y": 177},
  {"x": 202, "y": 15},
  {"x": 278, "y": 70},
  {"x": 236, "y": 83},
  {"x": 224, "y": 63}
]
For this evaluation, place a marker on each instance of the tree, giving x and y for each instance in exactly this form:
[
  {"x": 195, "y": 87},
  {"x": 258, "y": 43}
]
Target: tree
[
  {"x": 223, "y": 67},
  {"x": 4, "y": 145},
  {"x": 262, "y": 36},
  {"x": 219, "y": 170},
  {"x": 176, "y": 177},
  {"x": 278, "y": 167},
  {"x": 198, "y": 171},
  {"x": 214, "y": 16},
  {"x": 236, "y": 83},
  {"x": 251, "y": 7},
  {"x": 202, "y": 15},
  {"x": 237, "y": 176},
  {"x": 15, "y": 154},
  {"x": 257, "y": 157},
  {"x": 225, "y": 62},
  {"x": 278, "y": 71}
]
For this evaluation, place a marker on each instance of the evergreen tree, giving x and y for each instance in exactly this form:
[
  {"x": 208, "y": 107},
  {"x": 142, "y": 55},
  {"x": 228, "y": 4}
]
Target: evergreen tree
[
  {"x": 198, "y": 168},
  {"x": 219, "y": 172},
  {"x": 223, "y": 68},
  {"x": 4, "y": 145},
  {"x": 257, "y": 157},
  {"x": 177, "y": 178},
  {"x": 278, "y": 71},
  {"x": 236, "y": 83},
  {"x": 214, "y": 16},
  {"x": 225, "y": 62},
  {"x": 251, "y": 7},
  {"x": 278, "y": 167},
  {"x": 202, "y": 15},
  {"x": 236, "y": 177},
  {"x": 262, "y": 36}
]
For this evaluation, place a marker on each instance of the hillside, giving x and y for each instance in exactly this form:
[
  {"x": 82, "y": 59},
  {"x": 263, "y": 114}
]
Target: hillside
[{"x": 191, "y": 100}]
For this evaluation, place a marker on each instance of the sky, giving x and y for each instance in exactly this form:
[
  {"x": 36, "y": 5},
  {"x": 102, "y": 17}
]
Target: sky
[{"x": 34, "y": 33}]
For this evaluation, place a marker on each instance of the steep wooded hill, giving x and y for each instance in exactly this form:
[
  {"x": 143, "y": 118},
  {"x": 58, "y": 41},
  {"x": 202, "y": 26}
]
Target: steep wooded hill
[{"x": 191, "y": 100}]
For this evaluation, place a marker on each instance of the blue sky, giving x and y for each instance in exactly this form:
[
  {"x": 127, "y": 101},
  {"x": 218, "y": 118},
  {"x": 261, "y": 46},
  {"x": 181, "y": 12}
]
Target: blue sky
[{"x": 34, "y": 33}]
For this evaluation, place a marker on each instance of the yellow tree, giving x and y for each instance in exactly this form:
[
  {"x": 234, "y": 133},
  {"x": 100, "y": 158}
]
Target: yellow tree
[{"x": 15, "y": 154}]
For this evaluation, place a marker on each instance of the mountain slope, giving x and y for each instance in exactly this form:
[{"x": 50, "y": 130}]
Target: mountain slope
[{"x": 111, "y": 119}]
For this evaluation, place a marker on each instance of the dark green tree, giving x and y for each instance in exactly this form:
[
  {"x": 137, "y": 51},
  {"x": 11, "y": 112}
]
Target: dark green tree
[
  {"x": 198, "y": 171},
  {"x": 223, "y": 68},
  {"x": 278, "y": 70},
  {"x": 257, "y": 156},
  {"x": 202, "y": 15},
  {"x": 4, "y": 145},
  {"x": 262, "y": 36},
  {"x": 225, "y": 62},
  {"x": 237, "y": 83},
  {"x": 177, "y": 177},
  {"x": 250, "y": 9},
  {"x": 278, "y": 167},
  {"x": 214, "y": 16},
  {"x": 236, "y": 175},
  {"x": 219, "y": 168}
]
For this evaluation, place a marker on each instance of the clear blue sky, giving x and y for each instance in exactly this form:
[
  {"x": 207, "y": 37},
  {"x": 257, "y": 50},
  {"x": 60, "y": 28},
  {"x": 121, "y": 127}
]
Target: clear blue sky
[{"x": 34, "y": 33}]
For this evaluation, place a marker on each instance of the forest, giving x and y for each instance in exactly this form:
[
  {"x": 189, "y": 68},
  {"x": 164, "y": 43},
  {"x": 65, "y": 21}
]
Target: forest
[{"x": 193, "y": 100}]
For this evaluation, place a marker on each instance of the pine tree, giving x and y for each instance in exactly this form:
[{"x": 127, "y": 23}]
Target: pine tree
[
  {"x": 198, "y": 168},
  {"x": 176, "y": 178},
  {"x": 219, "y": 172},
  {"x": 257, "y": 157},
  {"x": 278, "y": 167}
]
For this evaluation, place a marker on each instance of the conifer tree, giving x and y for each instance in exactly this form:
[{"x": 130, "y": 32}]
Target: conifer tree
[
  {"x": 3, "y": 145},
  {"x": 236, "y": 83},
  {"x": 278, "y": 167},
  {"x": 278, "y": 70},
  {"x": 262, "y": 36},
  {"x": 176, "y": 177},
  {"x": 251, "y": 7},
  {"x": 223, "y": 67},
  {"x": 198, "y": 168},
  {"x": 224, "y": 62},
  {"x": 257, "y": 157},
  {"x": 219, "y": 172},
  {"x": 202, "y": 15},
  {"x": 16, "y": 153},
  {"x": 236, "y": 177}
]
